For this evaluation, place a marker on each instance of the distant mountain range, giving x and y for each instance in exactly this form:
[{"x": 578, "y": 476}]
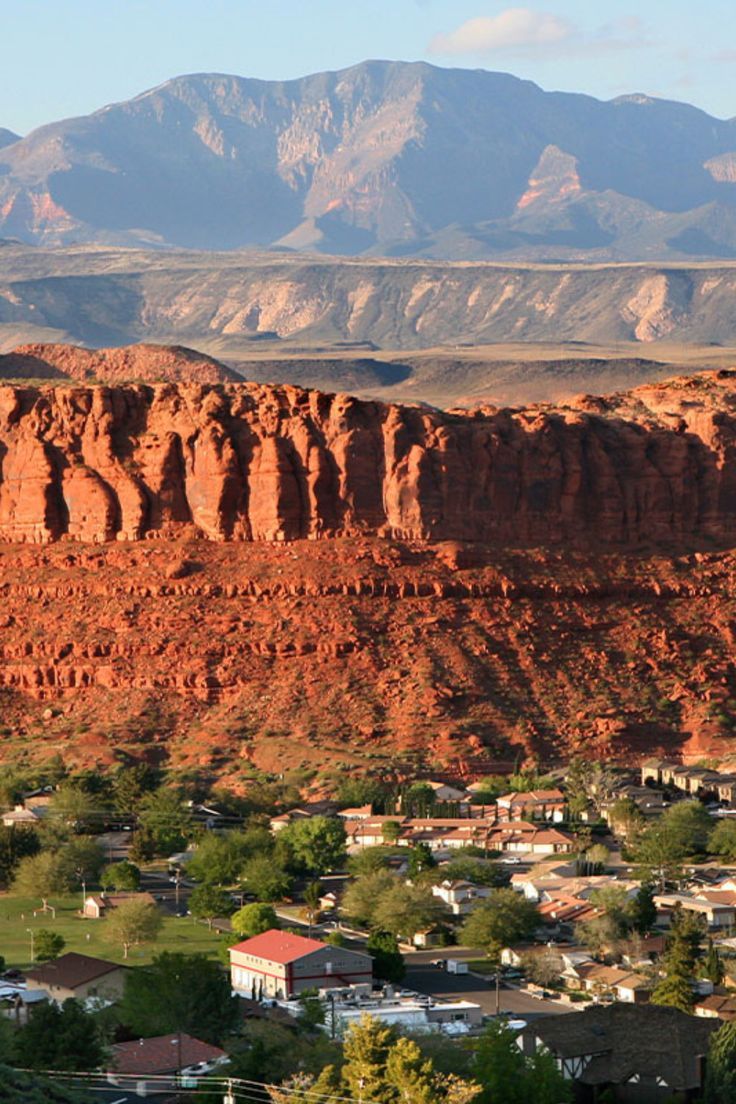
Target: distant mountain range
[{"x": 385, "y": 158}]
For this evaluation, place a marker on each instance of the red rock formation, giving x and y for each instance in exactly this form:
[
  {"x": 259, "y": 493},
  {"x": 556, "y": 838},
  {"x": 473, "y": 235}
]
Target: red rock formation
[
  {"x": 256, "y": 462},
  {"x": 145, "y": 363}
]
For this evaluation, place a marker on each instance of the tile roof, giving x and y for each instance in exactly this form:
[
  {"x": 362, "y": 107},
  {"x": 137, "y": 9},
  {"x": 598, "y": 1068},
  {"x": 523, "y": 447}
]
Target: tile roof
[
  {"x": 71, "y": 970},
  {"x": 161, "y": 1054}
]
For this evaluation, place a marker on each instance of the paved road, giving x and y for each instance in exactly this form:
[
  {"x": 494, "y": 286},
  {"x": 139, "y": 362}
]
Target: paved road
[{"x": 438, "y": 983}]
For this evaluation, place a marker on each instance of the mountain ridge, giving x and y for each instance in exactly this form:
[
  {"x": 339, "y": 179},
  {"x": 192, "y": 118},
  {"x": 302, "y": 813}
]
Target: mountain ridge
[{"x": 385, "y": 157}]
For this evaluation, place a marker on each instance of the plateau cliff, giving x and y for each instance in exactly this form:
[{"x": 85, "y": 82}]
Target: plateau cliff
[{"x": 254, "y": 462}]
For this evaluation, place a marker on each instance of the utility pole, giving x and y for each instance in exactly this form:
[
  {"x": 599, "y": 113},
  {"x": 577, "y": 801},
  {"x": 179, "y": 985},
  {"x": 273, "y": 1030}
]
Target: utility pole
[
  {"x": 229, "y": 1097},
  {"x": 30, "y": 932},
  {"x": 498, "y": 993}
]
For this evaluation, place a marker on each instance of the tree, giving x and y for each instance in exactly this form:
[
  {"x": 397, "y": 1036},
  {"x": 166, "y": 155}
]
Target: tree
[
  {"x": 501, "y": 920},
  {"x": 254, "y": 920},
  {"x": 48, "y": 944},
  {"x": 410, "y": 1074},
  {"x": 625, "y": 818},
  {"x": 311, "y": 897},
  {"x": 643, "y": 909},
  {"x": 133, "y": 922},
  {"x": 121, "y": 876},
  {"x": 131, "y": 784},
  {"x": 405, "y": 910},
  {"x": 312, "y": 1011},
  {"x": 80, "y": 860},
  {"x": 63, "y": 1038},
  {"x": 164, "y": 814},
  {"x": 420, "y": 859},
  {"x": 720, "y": 1068},
  {"x": 691, "y": 825},
  {"x": 77, "y": 807},
  {"x": 317, "y": 845},
  {"x": 366, "y": 1049},
  {"x": 388, "y": 961},
  {"x": 265, "y": 879},
  {"x": 220, "y": 858},
  {"x": 15, "y": 844},
  {"x": 179, "y": 992},
  {"x": 466, "y": 868},
  {"x": 355, "y": 792},
  {"x": 419, "y": 800},
  {"x": 39, "y": 876},
  {"x": 27, "y": 1088},
  {"x": 598, "y": 856},
  {"x": 508, "y": 1077},
  {"x": 369, "y": 860},
  {"x": 712, "y": 969},
  {"x": 723, "y": 839},
  {"x": 207, "y": 902},
  {"x": 391, "y": 831},
  {"x": 675, "y": 988},
  {"x": 363, "y": 895}
]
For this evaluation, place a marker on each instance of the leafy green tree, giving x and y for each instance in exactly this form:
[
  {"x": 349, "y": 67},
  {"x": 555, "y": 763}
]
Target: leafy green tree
[
  {"x": 56, "y": 1038},
  {"x": 388, "y": 961},
  {"x": 312, "y": 1011},
  {"x": 133, "y": 922},
  {"x": 420, "y": 859},
  {"x": 15, "y": 844},
  {"x": 220, "y": 858},
  {"x": 142, "y": 846},
  {"x": 208, "y": 902},
  {"x": 77, "y": 807},
  {"x": 179, "y": 992},
  {"x": 263, "y": 877},
  {"x": 410, "y": 1074},
  {"x": 121, "y": 876},
  {"x": 405, "y": 910},
  {"x": 391, "y": 831},
  {"x": 27, "y": 1088},
  {"x": 363, "y": 895},
  {"x": 691, "y": 825},
  {"x": 311, "y": 896},
  {"x": 466, "y": 868},
  {"x": 80, "y": 860},
  {"x": 723, "y": 840},
  {"x": 598, "y": 856},
  {"x": 39, "y": 876},
  {"x": 254, "y": 920},
  {"x": 317, "y": 845},
  {"x": 356, "y": 792},
  {"x": 48, "y": 945},
  {"x": 501, "y": 920},
  {"x": 164, "y": 814},
  {"x": 419, "y": 800},
  {"x": 625, "y": 818},
  {"x": 335, "y": 939},
  {"x": 370, "y": 859},
  {"x": 720, "y": 1068}
]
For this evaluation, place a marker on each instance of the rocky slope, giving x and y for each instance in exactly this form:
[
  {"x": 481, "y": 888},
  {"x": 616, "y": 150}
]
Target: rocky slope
[
  {"x": 331, "y": 583},
  {"x": 144, "y": 363},
  {"x": 237, "y": 306},
  {"x": 384, "y": 157}
]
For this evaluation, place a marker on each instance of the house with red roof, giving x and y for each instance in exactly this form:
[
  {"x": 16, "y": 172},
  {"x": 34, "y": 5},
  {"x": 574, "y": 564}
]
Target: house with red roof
[
  {"x": 280, "y": 965},
  {"x": 163, "y": 1054}
]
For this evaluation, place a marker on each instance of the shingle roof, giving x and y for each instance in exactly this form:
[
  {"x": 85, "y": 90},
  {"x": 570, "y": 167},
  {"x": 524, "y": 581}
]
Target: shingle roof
[
  {"x": 71, "y": 970},
  {"x": 161, "y": 1054},
  {"x": 627, "y": 1040},
  {"x": 278, "y": 946}
]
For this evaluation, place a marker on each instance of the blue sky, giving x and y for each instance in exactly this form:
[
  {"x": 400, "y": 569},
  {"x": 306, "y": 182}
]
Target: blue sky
[{"x": 68, "y": 57}]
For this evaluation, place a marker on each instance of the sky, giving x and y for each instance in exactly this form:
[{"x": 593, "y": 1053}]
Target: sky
[{"x": 68, "y": 57}]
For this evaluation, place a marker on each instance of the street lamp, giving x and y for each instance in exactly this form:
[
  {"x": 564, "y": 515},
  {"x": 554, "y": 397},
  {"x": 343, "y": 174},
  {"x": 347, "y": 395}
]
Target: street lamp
[{"x": 31, "y": 933}]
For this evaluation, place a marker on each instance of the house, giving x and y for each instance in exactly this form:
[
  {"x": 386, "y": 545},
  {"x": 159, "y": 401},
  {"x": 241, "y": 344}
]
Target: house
[
  {"x": 651, "y": 770},
  {"x": 636, "y": 1052},
  {"x": 278, "y": 964},
  {"x": 717, "y": 1007},
  {"x": 725, "y": 788},
  {"x": 162, "y": 1054},
  {"x": 445, "y": 792},
  {"x": 357, "y": 812},
  {"x": 99, "y": 905},
  {"x": 79, "y": 976},
  {"x": 520, "y": 837},
  {"x": 460, "y": 896},
  {"x": 717, "y": 907},
  {"x": 534, "y": 805},
  {"x": 20, "y": 817},
  {"x": 624, "y": 985}
]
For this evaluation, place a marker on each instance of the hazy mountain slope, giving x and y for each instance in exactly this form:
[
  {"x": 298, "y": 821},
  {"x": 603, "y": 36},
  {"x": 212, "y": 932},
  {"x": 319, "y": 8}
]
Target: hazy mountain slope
[
  {"x": 384, "y": 156},
  {"x": 7, "y": 137},
  {"x": 226, "y": 303}
]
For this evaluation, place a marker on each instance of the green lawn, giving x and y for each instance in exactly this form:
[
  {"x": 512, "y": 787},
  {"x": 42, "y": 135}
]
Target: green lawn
[{"x": 88, "y": 936}]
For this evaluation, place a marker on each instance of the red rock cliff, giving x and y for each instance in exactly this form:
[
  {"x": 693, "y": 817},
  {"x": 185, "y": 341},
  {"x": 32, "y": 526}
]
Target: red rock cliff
[{"x": 253, "y": 462}]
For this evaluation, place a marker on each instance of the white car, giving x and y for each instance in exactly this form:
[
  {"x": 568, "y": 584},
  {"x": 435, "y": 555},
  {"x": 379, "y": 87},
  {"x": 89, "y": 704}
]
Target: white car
[{"x": 513, "y": 861}]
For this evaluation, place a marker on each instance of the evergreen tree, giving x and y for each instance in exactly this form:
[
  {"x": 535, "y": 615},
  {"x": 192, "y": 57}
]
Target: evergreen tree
[
  {"x": 409, "y": 1074},
  {"x": 48, "y": 945},
  {"x": 713, "y": 969},
  {"x": 366, "y": 1049},
  {"x": 420, "y": 859},
  {"x": 63, "y": 1038},
  {"x": 675, "y": 989},
  {"x": 643, "y": 909},
  {"x": 179, "y": 992},
  {"x": 720, "y": 1070}
]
